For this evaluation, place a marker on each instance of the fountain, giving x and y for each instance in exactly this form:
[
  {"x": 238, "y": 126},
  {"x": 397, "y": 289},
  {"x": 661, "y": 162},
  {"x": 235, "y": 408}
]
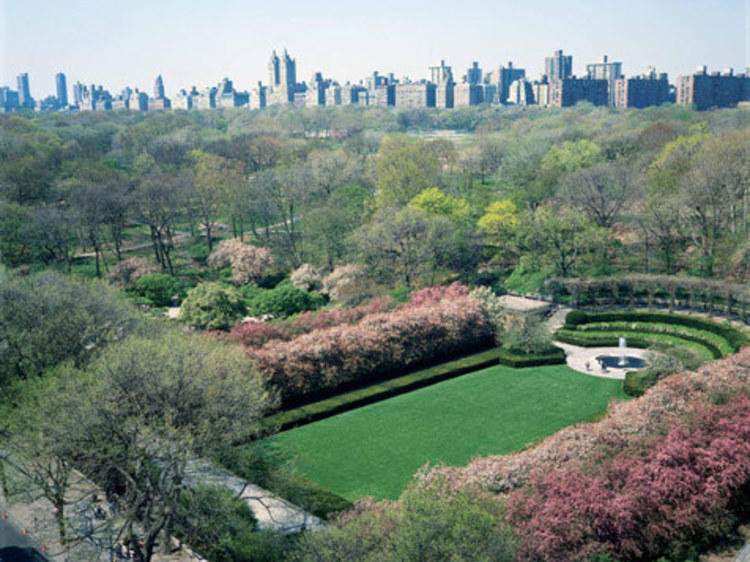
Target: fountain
[{"x": 622, "y": 362}]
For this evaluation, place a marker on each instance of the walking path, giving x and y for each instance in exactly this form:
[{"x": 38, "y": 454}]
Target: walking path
[
  {"x": 271, "y": 511},
  {"x": 585, "y": 359}
]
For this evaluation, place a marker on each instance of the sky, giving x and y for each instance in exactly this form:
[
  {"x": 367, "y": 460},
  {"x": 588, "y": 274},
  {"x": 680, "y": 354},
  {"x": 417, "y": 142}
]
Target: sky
[{"x": 199, "y": 42}]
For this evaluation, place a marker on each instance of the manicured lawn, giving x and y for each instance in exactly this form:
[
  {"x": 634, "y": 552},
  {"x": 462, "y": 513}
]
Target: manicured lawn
[{"x": 375, "y": 450}]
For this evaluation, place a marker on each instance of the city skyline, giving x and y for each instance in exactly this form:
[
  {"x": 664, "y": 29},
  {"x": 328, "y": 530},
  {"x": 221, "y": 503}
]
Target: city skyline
[{"x": 118, "y": 48}]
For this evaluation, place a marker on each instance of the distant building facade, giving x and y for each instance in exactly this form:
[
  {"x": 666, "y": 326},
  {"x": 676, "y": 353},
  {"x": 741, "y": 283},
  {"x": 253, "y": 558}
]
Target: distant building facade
[
  {"x": 704, "y": 90},
  {"x": 24, "y": 91},
  {"x": 642, "y": 91},
  {"x": 520, "y": 92},
  {"x": 502, "y": 78},
  {"x": 468, "y": 94},
  {"x": 442, "y": 77},
  {"x": 558, "y": 66},
  {"x": 605, "y": 70},
  {"x": 62, "y": 89},
  {"x": 420, "y": 94},
  {"x": 570, "y": 91}
]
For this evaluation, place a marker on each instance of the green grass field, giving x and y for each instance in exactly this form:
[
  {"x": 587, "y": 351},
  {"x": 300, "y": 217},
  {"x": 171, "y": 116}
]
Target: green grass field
[{"x": 375, "y": 450}]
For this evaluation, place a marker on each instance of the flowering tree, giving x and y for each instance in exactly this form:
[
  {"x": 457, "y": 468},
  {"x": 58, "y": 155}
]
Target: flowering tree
[
  {"x": 346, "y": 284},
  {"x": 306, "y": 277},
  {"x": 249, "y": 263}
]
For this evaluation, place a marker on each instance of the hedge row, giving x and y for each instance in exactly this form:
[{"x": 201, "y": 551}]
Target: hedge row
[
  {"x": 553, "y": 356},
  {"x": 659, "y": 328},
  {"x": 736, "y": 338},
  {"x": 645, "y": 333},
  {"x": 326, "y": 362},
  {"x": 634, "y": 339},
  {"x": 374, "y": 393}
]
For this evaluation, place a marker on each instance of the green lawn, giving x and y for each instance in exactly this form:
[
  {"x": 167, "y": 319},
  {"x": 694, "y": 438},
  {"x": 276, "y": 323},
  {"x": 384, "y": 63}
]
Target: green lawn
[{"x": 375, "y": 450}]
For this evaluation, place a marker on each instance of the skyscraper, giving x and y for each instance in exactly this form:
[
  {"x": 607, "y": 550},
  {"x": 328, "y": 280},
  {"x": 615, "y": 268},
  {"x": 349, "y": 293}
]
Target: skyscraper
[
  {"x": 62, "y": 89},
  {"x": 159, "y": 88},
  {"x": 559, "y": 66},
  {"x": 24, "y": 92}
]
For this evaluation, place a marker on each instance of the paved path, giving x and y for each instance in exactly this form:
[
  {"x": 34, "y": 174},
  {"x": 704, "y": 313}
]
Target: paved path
[
  {"x": 271, "y": 511},
  {"x": 744, "y": 554},
  {"x": 577, "y": 357}
]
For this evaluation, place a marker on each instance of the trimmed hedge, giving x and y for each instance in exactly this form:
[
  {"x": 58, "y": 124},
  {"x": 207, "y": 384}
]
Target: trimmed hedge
[
  {"x": 637, "y": 382},
  {"x": 735, "y": 337},
  {"x": 374, "y": 393},
  {"x": 660, "y": 328},
  {"x": 634, "y": 339},
  {"x": 553, "y": 356}
]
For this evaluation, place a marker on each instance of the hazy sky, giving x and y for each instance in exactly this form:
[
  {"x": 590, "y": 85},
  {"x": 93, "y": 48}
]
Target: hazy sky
[{"x": 200, "y": 42}]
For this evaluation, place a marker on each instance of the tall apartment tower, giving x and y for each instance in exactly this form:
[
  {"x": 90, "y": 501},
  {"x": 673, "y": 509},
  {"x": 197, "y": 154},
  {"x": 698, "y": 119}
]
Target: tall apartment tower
[
  {"x": 506, "y": 75},
  {"x": 288, "y": 74},
  {"x": 282, "y": 78},
  {"x": 440, "y": 73},
  {"x": 442, "y": 77},
  {"x": 62, "y": 89},
  {"x": 474, "y": 73},
  {"x": 159, "y": 88},
  {"x": 24, "y": 91},
  {"x": 274, "y": 79},
  {"x": 606, "y": 70},
  {"x": 559, "y": 66}
]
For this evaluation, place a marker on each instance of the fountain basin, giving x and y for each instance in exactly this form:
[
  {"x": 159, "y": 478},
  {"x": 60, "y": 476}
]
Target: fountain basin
[{"x": 621, "y": 361}]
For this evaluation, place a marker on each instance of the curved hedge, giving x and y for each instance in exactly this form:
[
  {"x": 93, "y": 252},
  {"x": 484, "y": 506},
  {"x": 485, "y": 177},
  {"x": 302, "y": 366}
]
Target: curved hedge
[
  {"x": 735, "y": 338},
  {"x": 635, "y": 339}
]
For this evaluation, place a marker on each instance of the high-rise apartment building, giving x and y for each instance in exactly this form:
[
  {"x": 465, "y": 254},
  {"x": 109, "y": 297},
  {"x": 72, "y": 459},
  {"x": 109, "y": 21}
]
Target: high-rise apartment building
[
  {"x": 282, "y": 74},
  {"x": 569, "y": 91},
  {"x": 502, "y": 78},
  {"x": 642, "y": 91},
  {"x": 605, "y": 70},
  {"x": 442, "y": 77},
  {"x": 558, "y": 66},
  {"x": 473, "y": 74},
  {"x": 706, "y": 90},
  {"x": 24, "y": 91},
  {"x": 440, "y": 73},
  {"x": 520, "y": 92},
  {"x": 62, "y": 89},
  {"x": 415, "y": 95},
  {"x": 468, "y": 94},
  {"x": 159, "y": 88}
]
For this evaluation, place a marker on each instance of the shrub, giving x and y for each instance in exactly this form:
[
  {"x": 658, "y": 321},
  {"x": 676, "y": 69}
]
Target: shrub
[
  {"x": 653, "y": 499},
  {"x": 283, "y": 300},
  {"x": 306, "y": 277},
  {"x": 550, "y": 356},
  {"x": 526, "y": 335},
  {"x": 211, "y": 520},
  {"x": 381, "y": 343},
  {"x": 249, "y": 263},
  {"x": 576, "y": 317},
  {"x": 256, "y": 334},
  {"x": 157, "y": 288},
  {"x": 660, "y": 364},
  {"x": 212, "y": 306},
  {"x": 347, "y": 284},
  {"x": 130, "y": 270}
]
